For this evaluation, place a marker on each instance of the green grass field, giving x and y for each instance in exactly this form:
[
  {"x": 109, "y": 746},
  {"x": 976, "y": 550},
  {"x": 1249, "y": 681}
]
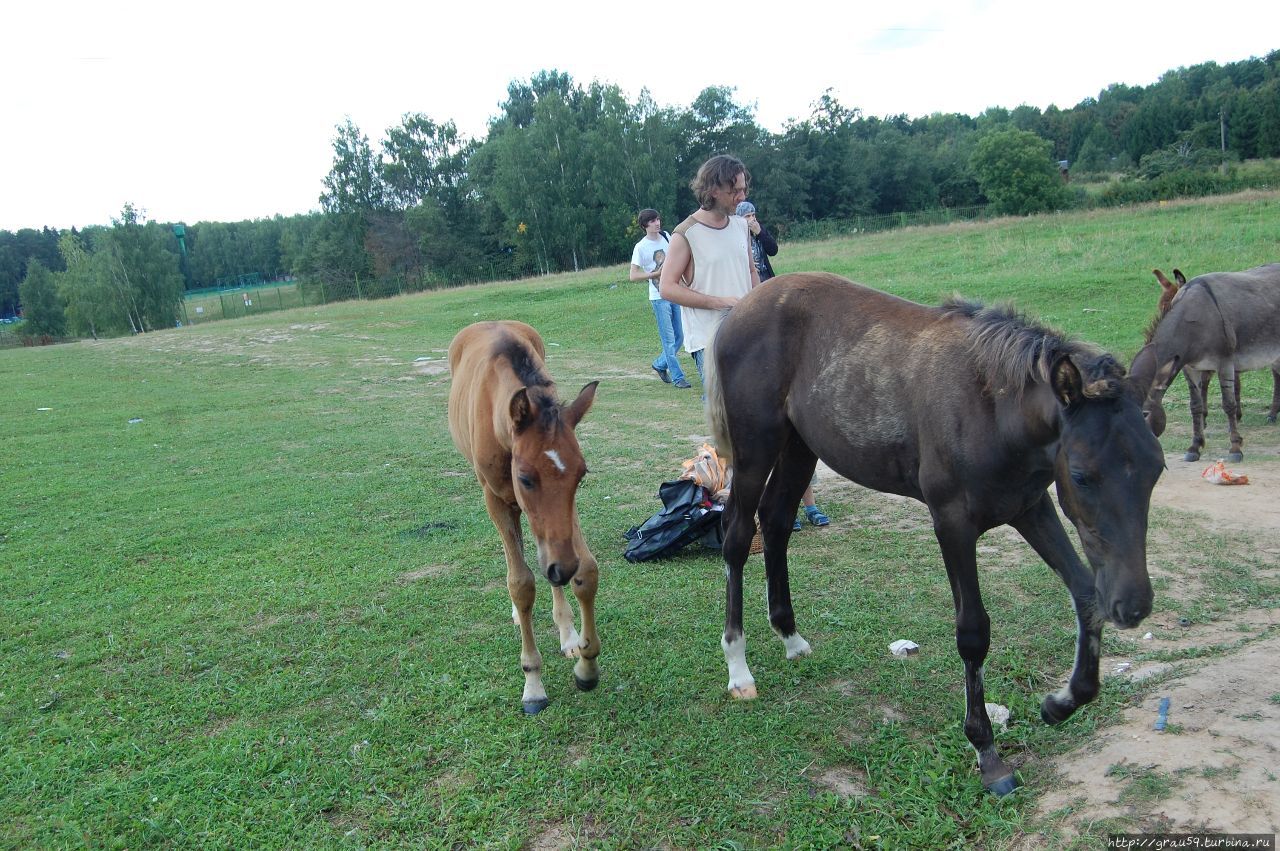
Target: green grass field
[{"x": 249, "y": 595}]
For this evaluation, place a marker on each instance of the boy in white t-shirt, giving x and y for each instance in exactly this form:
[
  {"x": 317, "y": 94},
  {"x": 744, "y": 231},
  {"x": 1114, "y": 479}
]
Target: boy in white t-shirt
[{"x": 646, "y": 265}]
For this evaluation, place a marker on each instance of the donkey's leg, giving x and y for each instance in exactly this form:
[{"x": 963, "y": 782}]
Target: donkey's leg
[
  {"x": 1274, "y": 410},
  {"x": 1043, "y": 530},
  {"x": 1227, "y": 383},
  {"x": 562, "y": 614},
  {"x": 585, "y": 582},
  {"x": 521, "y": 587},
  {"x": 777, "y": 511},
  {"x": 958, "y": 539},
  {"x": 1197, "y": 393}
]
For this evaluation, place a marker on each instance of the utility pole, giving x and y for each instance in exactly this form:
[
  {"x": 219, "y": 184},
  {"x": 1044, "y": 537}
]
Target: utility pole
[{"x": 1222, "y": 127}]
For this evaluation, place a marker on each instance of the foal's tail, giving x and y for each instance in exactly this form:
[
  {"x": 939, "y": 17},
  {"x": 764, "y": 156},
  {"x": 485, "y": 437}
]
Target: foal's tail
[{"x": 715, "y": 407}]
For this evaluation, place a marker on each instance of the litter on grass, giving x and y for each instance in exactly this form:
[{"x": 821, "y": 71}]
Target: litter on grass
[
  {"x": 1218, "y": 474},
  {"x": 903, "y": 647}
]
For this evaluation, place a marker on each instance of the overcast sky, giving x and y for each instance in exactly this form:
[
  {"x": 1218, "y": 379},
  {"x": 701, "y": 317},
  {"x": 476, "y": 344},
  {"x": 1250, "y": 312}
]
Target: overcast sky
[{"x": 226, "y": 111}]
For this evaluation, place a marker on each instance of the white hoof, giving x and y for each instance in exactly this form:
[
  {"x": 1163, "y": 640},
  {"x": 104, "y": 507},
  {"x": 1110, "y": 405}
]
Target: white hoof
[{"x": 796, "y": 646}]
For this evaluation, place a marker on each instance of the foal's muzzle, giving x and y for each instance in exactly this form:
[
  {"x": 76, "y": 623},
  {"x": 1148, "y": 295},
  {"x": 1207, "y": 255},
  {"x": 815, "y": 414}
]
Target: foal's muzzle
[{"x": 559, "y": 573}]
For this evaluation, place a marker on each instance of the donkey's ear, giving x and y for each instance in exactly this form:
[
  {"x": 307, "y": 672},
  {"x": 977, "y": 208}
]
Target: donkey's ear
[
  {"x": 1179, "y": 277},
  {"x": 578, "y": 409},
  {"x": 522, "y": 410},
  {"x": 1066, "y": 382}
]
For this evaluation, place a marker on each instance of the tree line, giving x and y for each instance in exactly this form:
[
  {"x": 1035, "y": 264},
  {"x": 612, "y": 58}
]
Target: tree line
[{"x": 563, "y": 168}]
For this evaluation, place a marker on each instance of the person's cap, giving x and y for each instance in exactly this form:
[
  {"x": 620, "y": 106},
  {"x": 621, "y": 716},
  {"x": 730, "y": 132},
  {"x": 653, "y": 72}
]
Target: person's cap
[{"x": 745, "y": 208}]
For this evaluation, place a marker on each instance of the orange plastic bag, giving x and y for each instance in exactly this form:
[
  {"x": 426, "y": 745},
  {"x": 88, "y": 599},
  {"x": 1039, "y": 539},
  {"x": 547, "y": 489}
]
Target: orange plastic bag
[
  {"x": 1218, "y": 474},
  {"x": 708, "y": 470}
]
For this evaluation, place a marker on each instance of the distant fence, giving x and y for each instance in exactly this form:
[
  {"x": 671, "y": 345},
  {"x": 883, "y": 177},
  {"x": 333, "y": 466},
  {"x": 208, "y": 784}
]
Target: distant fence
[{"x": 209, "y": 305}]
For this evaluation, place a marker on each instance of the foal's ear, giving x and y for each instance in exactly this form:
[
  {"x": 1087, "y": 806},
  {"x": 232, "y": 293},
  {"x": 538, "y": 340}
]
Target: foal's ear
[
  {"x": 578, "y": 409},
  {"x": 1066, "y": 382},
  {"x": 522, "y": 410},
  {"x": 1179, "y": 277}
]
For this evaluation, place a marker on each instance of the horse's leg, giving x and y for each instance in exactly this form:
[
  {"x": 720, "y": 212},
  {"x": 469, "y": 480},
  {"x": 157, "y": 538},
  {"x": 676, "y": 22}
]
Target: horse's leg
[
  {"x": 562, "y": 614},
  {"x": 1042, "y": 529},
  {"x": 1227, "y": 381},
  {"x": 1275, "y": 394},
  {"x": 521, "y": 587},
  {"x": 782, "y": 495},
  {"x": 740, "y": 528},
  {"x": 587, "y": 672},
  {"x": 958, "y": 539},
  {"x": 1197, "y": 388}
]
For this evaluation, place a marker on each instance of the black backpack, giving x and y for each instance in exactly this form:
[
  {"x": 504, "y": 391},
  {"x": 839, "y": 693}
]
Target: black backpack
[{"x": 687, "y": 515}]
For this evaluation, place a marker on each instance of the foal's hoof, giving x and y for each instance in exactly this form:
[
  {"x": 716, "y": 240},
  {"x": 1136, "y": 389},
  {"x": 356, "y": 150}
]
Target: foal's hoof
[
  {"x": 1235, "y": 457},
  {"x": 1053, "y": 710},
  {"x": 1003, "y": 786},
  {"x": 747, "y": 692},
  {"x": 533, "y": 707},
  {"x": 1191, "y": 456},
  {"x": 1271, "y": 419},
  {"x": 585, "y": 685}
]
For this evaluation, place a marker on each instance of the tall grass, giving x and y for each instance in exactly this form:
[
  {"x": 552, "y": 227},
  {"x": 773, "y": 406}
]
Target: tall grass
[{"x": 249, "y": 595}]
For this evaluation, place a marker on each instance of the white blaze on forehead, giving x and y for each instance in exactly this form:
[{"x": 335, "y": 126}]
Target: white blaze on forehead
[{"x": 555, "y": 459}]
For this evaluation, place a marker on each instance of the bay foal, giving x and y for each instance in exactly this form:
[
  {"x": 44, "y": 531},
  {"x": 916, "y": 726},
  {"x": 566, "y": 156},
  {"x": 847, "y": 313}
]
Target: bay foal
[{"x": 506, "y": 421}]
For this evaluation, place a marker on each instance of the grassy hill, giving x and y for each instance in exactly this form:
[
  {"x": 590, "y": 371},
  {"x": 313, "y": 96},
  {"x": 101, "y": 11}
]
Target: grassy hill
[{"x": 251, "y": 597}]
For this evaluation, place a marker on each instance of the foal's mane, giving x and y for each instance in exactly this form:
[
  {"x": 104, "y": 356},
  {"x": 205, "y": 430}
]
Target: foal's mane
[
  {"x": 1012, "y": 351},
  {"x": 527, "y": 366}
]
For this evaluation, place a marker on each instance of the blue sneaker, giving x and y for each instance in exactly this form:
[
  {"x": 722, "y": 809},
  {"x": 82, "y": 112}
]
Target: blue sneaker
[
  {"x": 797, "y": 526},
  {"x": 662, "y": 373},
  {"x": 682, "y": 384},
  {"x": 815, "y": 515}
]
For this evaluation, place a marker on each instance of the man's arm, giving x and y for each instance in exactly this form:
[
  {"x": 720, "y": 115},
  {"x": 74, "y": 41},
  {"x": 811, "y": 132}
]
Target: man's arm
[
  {"x": 638, "y": 274},
  {"x": 679, "y": 260}
]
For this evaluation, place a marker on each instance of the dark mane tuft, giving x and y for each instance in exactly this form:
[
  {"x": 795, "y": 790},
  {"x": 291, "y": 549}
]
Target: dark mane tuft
[
  {"x": 1013, "y": 351},
  {"x": 528, "y": 368},
  {"x": 525, "y": 364}
]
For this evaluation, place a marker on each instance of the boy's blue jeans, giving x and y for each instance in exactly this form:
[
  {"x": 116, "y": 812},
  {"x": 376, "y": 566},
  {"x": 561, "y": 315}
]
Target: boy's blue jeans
[{"x": 671, "y": 333}]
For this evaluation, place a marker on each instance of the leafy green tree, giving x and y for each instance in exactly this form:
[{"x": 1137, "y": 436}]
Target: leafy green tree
[
  {"x": 142, "y": 271},
  {"x": 42, "y": 308},
  {"x": 85, "y": 287},
  {"x": 1017, "y": 174},
  {"x": 352, "y": 184}
]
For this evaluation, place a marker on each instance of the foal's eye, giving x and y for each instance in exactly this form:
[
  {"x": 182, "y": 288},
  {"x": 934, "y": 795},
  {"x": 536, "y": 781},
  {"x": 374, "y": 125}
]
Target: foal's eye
[
  {"x": 525, "y": 482},
  {"x": 1080, "y": 479}
]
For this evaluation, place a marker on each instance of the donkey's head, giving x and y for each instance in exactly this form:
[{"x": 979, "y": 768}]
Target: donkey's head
[
  {"x": 546, "y": 468},
  {"x": 1107, "y": 464}
]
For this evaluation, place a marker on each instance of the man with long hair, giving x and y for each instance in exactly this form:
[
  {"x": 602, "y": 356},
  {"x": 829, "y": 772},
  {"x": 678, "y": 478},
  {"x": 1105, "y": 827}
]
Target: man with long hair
[{"x": 709, "y": 265}]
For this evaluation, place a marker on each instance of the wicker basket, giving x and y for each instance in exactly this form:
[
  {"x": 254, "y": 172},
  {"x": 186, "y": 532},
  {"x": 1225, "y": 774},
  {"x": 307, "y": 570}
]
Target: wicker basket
[{"x": 757, "y": 542}]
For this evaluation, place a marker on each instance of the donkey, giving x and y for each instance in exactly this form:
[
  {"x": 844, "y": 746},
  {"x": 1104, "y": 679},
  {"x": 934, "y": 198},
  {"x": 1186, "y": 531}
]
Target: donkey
[
  {"x": 505, "y": 420},
  {"x": 1224, "y": 322},
  {"x": 973, "y": 411},
  {"x": 1198, "y": 393}
]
